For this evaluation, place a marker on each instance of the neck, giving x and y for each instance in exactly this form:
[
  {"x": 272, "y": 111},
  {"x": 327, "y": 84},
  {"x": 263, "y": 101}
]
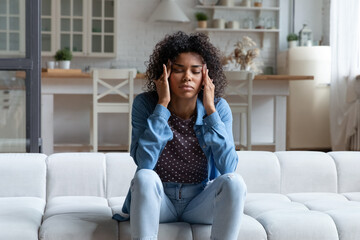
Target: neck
[{"x": 182, "y": 108}]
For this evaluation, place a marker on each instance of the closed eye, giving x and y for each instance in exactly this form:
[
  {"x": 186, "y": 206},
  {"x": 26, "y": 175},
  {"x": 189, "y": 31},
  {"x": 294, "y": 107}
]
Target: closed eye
[{"x": 177, "y": 70}]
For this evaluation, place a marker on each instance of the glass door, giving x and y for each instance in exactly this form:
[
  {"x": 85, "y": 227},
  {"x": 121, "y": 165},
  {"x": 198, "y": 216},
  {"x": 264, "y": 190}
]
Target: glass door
[{"x": 20, "y": 76}]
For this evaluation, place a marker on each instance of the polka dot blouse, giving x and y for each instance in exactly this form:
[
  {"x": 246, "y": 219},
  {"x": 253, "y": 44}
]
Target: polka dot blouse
[{"x": 182, "y": 160}]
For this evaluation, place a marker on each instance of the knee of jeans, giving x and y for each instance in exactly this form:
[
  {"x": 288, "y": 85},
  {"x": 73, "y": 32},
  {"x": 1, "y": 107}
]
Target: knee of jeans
[
  {"x": 234, "y": 184},
  {"x": 145, "y": 178}
]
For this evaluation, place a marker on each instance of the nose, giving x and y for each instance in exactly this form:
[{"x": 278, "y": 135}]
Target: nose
[{"x": 187, "y": 77}]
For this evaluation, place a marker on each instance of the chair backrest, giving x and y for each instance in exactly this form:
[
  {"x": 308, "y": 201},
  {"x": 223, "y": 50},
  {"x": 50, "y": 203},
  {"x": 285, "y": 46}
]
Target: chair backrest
[
  {"x": 76, "y": 174},
  {"x": 118, "y": 82},
  {"x": 239, "y": 95},
  {"x": 240, "y": 84},
  {"x": 22, "y": 175}
]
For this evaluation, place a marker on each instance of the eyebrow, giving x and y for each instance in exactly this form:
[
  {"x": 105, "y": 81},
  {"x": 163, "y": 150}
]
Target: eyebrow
[{"x": 179, "y": 65}]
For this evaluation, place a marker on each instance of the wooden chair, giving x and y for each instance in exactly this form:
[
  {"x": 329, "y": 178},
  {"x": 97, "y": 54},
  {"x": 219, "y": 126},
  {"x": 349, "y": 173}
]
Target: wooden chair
[
  {"x": 111, "y": 83},
  {"x": 239, "y": 96}
]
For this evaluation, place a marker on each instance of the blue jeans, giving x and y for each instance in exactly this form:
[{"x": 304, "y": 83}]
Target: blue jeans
[{"x": 220, "y": 203}]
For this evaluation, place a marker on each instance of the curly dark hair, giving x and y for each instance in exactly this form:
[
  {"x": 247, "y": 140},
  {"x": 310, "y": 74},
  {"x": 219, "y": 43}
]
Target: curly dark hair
[{"x": 173, "y": 45}]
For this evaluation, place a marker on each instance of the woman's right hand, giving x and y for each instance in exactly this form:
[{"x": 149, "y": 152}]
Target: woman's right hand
[{"x": 162, "y": 86}]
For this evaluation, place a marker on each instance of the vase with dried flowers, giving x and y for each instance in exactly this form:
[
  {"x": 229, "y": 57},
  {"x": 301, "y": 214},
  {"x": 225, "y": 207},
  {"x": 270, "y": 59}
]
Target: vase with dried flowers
[
  {"x": 242, "y": 57},
  {"x": 245, "y": 52}
]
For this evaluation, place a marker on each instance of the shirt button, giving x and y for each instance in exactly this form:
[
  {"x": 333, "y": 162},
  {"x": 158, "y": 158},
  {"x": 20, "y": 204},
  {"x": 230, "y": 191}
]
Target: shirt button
[
  {"x": 204, "y": 146},
  {"x": 198, "y": 133}
]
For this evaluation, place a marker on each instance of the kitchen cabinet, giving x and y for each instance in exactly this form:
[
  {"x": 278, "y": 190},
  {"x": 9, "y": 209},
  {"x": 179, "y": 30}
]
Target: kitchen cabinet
[
  {"x": 12, "y": 28},
  {"x": 87, "y": 28}
]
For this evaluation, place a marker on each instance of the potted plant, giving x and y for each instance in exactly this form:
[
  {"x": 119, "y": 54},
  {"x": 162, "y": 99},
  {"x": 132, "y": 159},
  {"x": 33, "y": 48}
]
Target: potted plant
[
  {"x": 202, "y": 19},
  {"x": 292, "y": 39},
  {"x": 63, "y": 56}
]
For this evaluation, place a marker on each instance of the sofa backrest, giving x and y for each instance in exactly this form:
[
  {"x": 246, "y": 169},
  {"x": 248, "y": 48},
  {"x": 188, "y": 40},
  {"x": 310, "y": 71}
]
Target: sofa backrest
[
  {"x": 120, "y": 170},
  {"x": 347, "y": 165},
  {"x": 260, "y": 171},
  {"x": 305, "y": 171},
  {"x": 22, "y": 175},
  {"x": 76, "y": 174}
]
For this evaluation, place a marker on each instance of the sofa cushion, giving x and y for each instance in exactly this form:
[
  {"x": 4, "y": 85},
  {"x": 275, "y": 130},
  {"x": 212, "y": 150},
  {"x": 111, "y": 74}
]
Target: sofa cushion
[
  {"x": 79, "y": 226},
  {"x": 298, "y": 225},
  {"x": 303, "y": 171},
  {"x": 20, "y": 217},
  {"x": 347, "y": 222},
  {"x": 347, "y": 164},
  {"x": 256, "y": 208},
  {"x": 78, "y": 217},
  {"x": 173, "y": 231},
  {"x": 77, "y": 204},
  {"x": 116, "y": 204},
  {"x": 353, "y": 196},
  {"x": 76, "y": 174},
  {"x": 22, "y": 175},
  {"x": 250, "y": 197},
  {"x": 120, "y": 170},
  {"x": 260, "y": 171},
  {"x": 250, "y": 230},
  {"x": 327, "y": 205},
  {"x": 305, "y": 197}
]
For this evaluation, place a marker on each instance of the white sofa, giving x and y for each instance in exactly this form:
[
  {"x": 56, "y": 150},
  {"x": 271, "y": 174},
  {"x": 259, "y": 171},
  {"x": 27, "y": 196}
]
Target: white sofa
[{"x": 291, "y": 196}]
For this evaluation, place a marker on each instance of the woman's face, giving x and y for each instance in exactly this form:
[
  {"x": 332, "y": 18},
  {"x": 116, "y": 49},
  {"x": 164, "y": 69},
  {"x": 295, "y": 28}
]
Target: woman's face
[{"x": 186, "y": 76}]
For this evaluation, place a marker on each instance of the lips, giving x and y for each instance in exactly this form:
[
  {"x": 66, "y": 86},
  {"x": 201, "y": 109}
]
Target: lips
[{"x": 186, "y": 87}]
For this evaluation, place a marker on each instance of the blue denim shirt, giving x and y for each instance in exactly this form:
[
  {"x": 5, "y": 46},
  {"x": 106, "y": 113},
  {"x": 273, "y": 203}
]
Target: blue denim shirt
[{"x": 151, "y": 132}]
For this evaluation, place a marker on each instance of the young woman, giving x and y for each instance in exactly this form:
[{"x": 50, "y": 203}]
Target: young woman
[{"x": 183, "y": 145}]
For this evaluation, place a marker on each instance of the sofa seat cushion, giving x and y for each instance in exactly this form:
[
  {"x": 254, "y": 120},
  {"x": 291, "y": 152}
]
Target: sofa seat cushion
[
  {"x": 77, "y": 204},
  {"x": 167, "y": 231},
  {"x": 305, "y": 197},
  {"x": 327, "y": 205},
  {"x": 347, "y": 222},
  {"x": 353, "y": 196},
  {"x": 250, "y": 229},
  {"x": 250, "y": 197},
  {"x": 288, "y": 224},
  {"x": 257, "y": 208},
  {"x": 78, "y": 217},
  {"x": 116, "y": 204},
  {"x": 20, "y": 217},
  {"x": 79, "y": 226}
]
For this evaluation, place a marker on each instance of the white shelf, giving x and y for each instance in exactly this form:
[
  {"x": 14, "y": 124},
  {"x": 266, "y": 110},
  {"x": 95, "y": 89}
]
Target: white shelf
[
  {"x": 237, "y": 30},
  {"x": 237, "y": 8}
]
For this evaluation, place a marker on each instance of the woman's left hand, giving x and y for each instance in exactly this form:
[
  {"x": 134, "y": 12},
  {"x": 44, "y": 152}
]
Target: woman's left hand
[{"x": 208, "y": 92}]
